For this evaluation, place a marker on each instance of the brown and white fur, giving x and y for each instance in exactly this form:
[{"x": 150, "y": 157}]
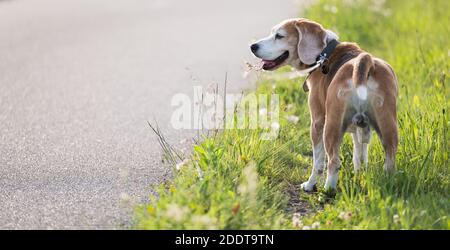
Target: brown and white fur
[{"x": 358, "y": 93}]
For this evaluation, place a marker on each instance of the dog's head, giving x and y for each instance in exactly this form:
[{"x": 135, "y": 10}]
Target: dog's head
[{"x": 295, "y": 42}]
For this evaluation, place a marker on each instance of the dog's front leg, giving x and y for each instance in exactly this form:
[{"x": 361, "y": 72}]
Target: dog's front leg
[{"x": 318, "y": 154}]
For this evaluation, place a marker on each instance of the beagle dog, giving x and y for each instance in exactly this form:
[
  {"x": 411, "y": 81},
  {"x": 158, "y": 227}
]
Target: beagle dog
[{"x": 349, "y": 91}]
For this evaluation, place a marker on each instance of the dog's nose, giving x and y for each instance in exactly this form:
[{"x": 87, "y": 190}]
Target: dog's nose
[{"x": 254, "y": 47}]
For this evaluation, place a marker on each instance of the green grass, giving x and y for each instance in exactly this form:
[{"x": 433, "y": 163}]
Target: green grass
[{"x": 248, "y": 183}]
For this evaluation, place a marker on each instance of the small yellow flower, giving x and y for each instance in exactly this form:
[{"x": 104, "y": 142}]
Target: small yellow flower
[
  {"x": 151, "y": 210},
  {"x": 416, "y": 100}
]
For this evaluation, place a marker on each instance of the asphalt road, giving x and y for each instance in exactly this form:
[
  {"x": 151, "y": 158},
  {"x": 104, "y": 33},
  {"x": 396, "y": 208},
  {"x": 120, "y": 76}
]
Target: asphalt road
[{"x": 78, "y": 82}]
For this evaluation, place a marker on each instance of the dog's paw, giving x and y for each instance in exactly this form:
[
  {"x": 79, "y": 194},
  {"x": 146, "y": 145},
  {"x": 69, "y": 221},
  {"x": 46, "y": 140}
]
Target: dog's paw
[
  {"x": 308, "y": 187},
  {"x": 327, "y": 195},
  {"x": 329, "y": 192}
]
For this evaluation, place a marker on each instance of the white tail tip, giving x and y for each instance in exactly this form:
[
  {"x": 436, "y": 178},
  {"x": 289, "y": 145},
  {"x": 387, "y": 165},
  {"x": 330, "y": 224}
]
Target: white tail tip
[{"x": 361, "y": 91}]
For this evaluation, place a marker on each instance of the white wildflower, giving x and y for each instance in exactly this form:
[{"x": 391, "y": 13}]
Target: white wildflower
[
  {"x": 396, "y": 219},
  {"x": 291, "y": 106},
  {"x": 296, "y": 222},
  {"x": 345, "y": 215},
  {"x": 333, "y": 9},
  {"x": 315, "y": 225},
  {"x": 176, "y": 212},
  {"x": 293, "y": 118},
  {"x": 249, "y": 183},
  {"x": 275, "y": 126},
  {"x": 204, "y": 222},
  {"x": 182, "y": 164},
  {"x": 306, "y": 228}
]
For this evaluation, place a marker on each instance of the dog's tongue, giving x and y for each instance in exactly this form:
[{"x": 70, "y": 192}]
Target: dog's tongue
[{"x": 268, "y": 64}]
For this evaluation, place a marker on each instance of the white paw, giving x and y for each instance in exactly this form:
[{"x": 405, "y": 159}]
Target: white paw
[
  {"x": 331, "y": 182},
  {"x": 329, "y": 188},
  {"x": 307, "y": 186}
]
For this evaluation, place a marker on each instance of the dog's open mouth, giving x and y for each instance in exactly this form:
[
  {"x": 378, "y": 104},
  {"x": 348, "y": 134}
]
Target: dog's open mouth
[{"x": 271, "y": 64}]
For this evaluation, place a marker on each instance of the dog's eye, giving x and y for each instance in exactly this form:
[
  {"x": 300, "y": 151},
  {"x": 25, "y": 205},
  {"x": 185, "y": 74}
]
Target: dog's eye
[{"x": 278, "y": 36}]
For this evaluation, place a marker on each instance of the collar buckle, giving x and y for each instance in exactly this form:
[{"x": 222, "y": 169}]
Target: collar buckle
[{"x": 322, "y": 58}]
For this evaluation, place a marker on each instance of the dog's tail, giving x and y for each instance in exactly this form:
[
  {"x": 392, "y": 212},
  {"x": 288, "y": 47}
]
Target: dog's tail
[{"x": 361, "y": 70}]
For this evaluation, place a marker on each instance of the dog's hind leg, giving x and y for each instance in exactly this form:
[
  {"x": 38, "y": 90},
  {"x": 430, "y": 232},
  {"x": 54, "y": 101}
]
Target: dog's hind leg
[
  {"x": 389, "y": 139},
  {"x": 385, "y": 123},
  {"x": 333, "y": 134}
]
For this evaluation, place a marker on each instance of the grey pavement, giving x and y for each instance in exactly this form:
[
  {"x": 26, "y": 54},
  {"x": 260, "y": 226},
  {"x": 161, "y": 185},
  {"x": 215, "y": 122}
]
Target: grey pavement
[{"x": 78, "y": 82}]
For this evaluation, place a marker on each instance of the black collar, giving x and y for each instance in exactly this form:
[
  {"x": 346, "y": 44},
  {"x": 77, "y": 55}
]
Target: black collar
[
  {"x": 327, "y": 51},
  {"x": 322, "y": 59}
]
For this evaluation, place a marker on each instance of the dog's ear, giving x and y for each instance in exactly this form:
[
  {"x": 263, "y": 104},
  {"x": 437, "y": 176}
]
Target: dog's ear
[{"x": 311, "y": 40}]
